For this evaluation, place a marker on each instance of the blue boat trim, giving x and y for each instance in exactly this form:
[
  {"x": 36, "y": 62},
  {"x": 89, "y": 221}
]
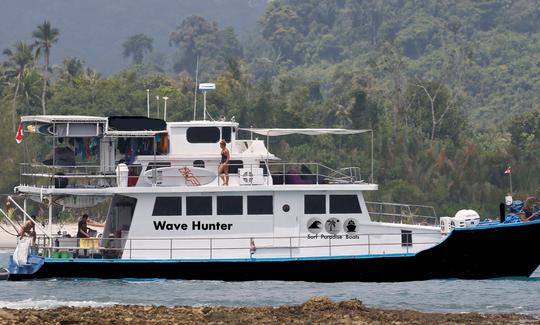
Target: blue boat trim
[
  {"x": 268, "y": 259},
  {"x": 499, "y": 225}
]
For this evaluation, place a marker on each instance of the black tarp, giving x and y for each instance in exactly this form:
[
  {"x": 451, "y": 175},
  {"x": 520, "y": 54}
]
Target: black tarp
[{"x": 136, "y": 123}]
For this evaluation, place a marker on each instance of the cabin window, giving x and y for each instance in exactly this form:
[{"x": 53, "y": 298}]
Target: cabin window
[
  {"x": 208, "y": 134},
  {"x": 167, "y": 206},
  {"x": 234, "y": 165},
  {"x": 260, "y": 204},
  {"x": 344, "y": 204},
  {"x": 262, "y": 164},
  {"x": 198, "y": 163},
  {"x": 226, "y": 133},
  {"x": 160, "y": 164},
  {"x": 406, "y": 238},
  {"x": 229, "y": 205},
  {"x": 199, "y": 205},
  {"x": 314, "y": 204}
]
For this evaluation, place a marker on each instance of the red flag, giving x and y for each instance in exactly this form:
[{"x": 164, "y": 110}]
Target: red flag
[
  {"x": 508, "y": 170},
  {"x": 19, "y": 136}
]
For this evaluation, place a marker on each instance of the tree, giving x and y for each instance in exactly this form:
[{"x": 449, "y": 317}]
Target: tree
[
  {"x": 434, "y": 109},
  {"x": 137, "y": 46},
  {"x": 71, "y": 69},
  {"x": 197, "y": 37},
  {"x": 45, "y": 36},
  {"x": 19, "y": 59},
  {"x": 280, "y": 25}
]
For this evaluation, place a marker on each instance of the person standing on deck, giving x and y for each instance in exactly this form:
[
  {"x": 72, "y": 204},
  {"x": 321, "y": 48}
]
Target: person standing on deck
[
  {"x": 28, "y": 228},
  {"x": 82, "y": 230},
  {"x": 223, "y": 168}
]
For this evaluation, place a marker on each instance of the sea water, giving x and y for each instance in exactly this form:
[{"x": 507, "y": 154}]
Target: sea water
[{"x": 519, "y": 295}]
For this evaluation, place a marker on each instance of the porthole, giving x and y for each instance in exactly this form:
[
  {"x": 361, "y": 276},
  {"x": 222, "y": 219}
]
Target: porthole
[
  {"x": 286, "y": 208},
  {"x": 198, "y": 163}
]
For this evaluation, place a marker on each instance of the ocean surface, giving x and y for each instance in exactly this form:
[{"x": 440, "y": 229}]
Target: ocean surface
[{"x": 518, "y": 295}]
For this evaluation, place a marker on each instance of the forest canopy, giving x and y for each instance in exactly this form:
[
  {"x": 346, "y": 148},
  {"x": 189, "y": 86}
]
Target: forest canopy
[{"x": 450, "y": 88}]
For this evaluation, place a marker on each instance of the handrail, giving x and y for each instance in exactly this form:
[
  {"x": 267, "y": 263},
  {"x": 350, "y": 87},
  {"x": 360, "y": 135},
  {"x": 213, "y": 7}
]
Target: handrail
[
  {"x": 315, "y": 174},
  {"x": 387, "y": 209},
  {"x": 209, "y": 247},
  {"x": 28, "y": 216},
  {"x": 9, "y": 219}
]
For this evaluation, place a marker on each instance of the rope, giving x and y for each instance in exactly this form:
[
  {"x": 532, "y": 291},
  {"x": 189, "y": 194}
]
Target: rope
[{"x": 4, "y": 229}]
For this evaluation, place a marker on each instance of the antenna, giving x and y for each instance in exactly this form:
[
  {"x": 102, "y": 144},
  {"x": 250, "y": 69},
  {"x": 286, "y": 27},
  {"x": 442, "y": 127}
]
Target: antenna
[
  {"x": 157, "y": 100},
  {"x": 165, "y": 108},
  {"x": 148, "y": 103},
  {"x": 205, "y": 87},
  {"x": 196, "y": 83}
]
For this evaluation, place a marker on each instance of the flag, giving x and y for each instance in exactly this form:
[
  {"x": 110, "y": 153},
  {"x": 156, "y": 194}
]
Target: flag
[
  {"x": 19, "y": 136},
  {"x": 508, "y": 170}
]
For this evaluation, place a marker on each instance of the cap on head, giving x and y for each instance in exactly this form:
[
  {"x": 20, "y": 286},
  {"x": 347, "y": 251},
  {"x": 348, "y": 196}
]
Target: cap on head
[{"x": 85, "y": 216}]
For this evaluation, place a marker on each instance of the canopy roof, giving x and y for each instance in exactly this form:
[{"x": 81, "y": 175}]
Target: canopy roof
[
  {"x": 280, "y": 132},
  {"x": 51, "y": 119}
]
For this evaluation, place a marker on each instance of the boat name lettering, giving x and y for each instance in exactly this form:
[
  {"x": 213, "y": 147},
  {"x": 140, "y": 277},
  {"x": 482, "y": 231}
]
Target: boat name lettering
[{"x": 195, "y": 225}]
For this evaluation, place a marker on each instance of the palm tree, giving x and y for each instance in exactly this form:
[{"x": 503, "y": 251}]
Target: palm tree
[
  {"x": 71, "y": 69},
  {"x": 137, "y": 46},
  {"x": 19, "y": 59},
  {"x": 45, "y": 36}
]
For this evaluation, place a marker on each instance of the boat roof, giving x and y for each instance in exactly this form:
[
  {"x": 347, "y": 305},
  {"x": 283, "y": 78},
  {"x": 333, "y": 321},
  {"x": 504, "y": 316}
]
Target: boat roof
[
  {"x": 279, "y": 132},
  {"x": 202, "y": 123},
  {"x": 62, "y": 119}
]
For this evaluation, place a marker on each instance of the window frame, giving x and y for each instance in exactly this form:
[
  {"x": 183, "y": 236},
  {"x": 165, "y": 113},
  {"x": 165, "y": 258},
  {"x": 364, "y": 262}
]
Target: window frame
[
  {"x": 189, "y": 198},
  {"x": 339, "y": 208},
  {"x": 254, "y": 212},
  {"x": 406, "y": 238},
  {"x": 324, "y": 203},
  {"x": 224, "y": 136},
  {"x": 189, "y": 135},
  {"x": 167, "y": 204},
  {"x": 237, "y": 197}
]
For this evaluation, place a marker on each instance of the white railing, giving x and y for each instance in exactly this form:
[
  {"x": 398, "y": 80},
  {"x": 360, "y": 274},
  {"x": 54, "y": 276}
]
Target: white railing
[
  {"x": 402, "y": 213},
  {"x": 248, "y": 247},
  {"x": 90, "y": 176}
]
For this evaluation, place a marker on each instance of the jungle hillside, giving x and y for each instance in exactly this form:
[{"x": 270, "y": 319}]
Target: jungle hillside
[{"x": 451, "y": 89}]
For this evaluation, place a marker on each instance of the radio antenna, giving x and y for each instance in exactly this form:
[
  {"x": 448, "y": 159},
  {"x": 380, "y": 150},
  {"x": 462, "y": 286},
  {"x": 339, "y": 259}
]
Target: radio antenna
[{"x": 196, "y": 84}]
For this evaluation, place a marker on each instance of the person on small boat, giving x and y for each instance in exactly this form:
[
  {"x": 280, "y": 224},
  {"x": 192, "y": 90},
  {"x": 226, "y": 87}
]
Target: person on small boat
[
  {"x": 83, "y": 230},
  {"x": 28, "y": 229},
  {"x": 531, "y": 209},
  {"x": 223, "y": 168}
]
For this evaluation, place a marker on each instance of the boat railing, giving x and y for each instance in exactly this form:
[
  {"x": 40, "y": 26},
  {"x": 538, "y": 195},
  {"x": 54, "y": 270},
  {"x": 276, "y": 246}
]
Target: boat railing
[
  {"x": 312, "y": 173},
  {"x": 80, "y": 176},
  {"x": 402, "y": 213},
  {"x": 223, "y": 247},
  {"x": 277, "y": 173}
]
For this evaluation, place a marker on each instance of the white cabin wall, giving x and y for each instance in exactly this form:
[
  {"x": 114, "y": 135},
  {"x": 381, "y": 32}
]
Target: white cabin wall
[
  {"x": 242, "y": 228},
  {"x": 283, "y": 234}
]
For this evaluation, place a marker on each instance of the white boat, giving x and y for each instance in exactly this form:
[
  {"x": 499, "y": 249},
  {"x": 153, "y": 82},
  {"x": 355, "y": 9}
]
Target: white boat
[{"x": 170, "y": 216}]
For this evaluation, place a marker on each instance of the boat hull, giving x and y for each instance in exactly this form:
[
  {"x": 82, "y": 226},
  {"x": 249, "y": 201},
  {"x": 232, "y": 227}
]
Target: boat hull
[{"x": 473, "y": 253}]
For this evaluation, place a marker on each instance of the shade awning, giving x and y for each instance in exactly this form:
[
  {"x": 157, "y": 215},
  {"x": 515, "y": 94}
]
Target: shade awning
[{"x": 280, "y": 132}]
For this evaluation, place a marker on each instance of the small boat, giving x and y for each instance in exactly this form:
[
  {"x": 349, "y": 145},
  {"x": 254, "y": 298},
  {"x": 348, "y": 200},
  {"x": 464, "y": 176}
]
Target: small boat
[
  {"x": 171, "y": 216},
  {"x": 4, "y": 274}
]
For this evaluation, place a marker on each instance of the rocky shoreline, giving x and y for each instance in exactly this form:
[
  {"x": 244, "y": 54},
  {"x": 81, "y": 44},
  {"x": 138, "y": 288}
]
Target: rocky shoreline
[{"x": 317, "y": 310}]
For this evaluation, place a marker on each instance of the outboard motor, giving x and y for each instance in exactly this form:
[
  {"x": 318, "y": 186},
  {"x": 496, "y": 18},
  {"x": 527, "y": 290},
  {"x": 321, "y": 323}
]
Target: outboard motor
[{"x": 462, "y": 219}]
